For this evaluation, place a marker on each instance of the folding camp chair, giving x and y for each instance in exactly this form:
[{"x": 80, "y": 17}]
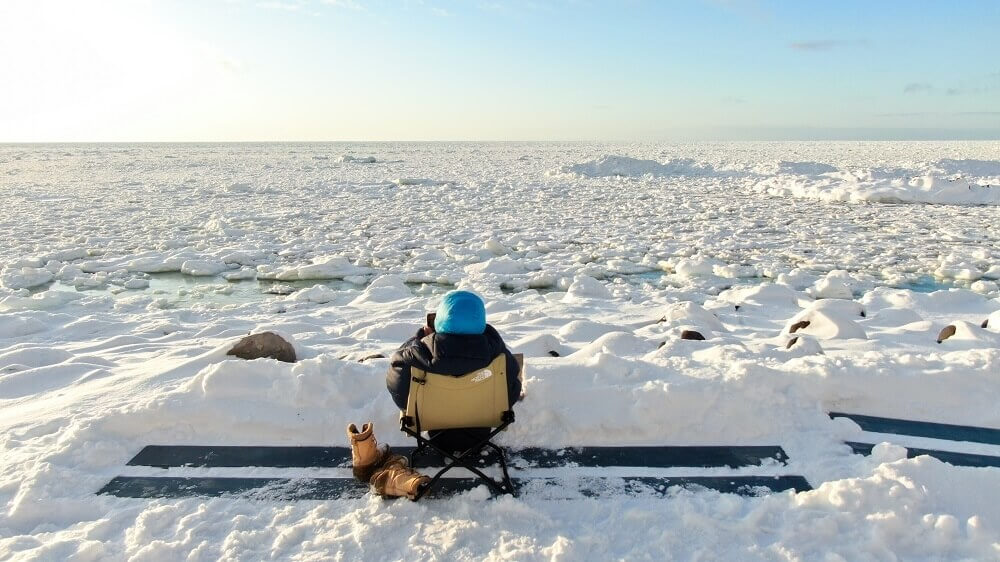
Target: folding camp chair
[{"x": 471, "y": 401}]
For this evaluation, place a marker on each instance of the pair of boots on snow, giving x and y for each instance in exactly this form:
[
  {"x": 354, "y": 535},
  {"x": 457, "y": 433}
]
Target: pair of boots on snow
[{"x": 388, "y": 473}]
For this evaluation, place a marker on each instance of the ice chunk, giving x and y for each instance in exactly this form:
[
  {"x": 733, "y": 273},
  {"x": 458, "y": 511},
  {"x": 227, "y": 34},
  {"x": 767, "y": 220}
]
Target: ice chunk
[
  {"x": 335, "y": 267},
  {"x": 241, "y": 274},
  {"x": 501, "y": 265},
  {"x": 584, "y": 288},
  {"x": 203, "y": 268},
  {"x": 836, "y": 285},
  {"x": 347, "y": 158},
  {"x": 385, "y": 288},
  {"x": 319, "y": 294},
  {"x": 697, "y": 266}
]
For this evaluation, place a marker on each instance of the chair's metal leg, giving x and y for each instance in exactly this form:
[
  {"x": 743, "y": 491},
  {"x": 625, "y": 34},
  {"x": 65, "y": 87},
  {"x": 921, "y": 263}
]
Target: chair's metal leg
[
  {"x": 508, "y": 483},
  {"x": 465, "y": 460}
]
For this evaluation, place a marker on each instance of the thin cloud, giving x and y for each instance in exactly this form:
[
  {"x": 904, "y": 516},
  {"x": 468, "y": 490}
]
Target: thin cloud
[
  {"x": 983, "y": 84},
  {"x": 349, "y": 4},
  {"x": 918, "y": 88},
  {"x": 910, "y": 114},
  {"x": 275, "y": 5},
  {"x": 942, "y": 114},
  {"x": 825, "y": 44}
]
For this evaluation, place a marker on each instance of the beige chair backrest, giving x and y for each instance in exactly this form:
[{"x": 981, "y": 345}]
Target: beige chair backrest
[{"x": 476, "y": 399}]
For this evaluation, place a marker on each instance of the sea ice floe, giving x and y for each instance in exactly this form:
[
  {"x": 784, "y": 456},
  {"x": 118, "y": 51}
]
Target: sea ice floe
[
  {"x": 242, "y": 274},
  {"x": 939, "y": 183},
  {"x": 425, "y": 182},
  {"x": 41, "y": 301},
  {"x": 203, "y": 268},
  {"x": 347, "y": 158},
  {"x": 320, "y": 294},
  {"x": 25, "y": 277},
  {"x": 333, "y": 267},
  {"x": 503, "y": 265}
]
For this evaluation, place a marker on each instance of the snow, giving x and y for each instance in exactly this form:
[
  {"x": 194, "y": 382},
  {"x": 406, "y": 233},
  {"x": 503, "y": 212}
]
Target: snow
[{"x": 592, "y": 259}]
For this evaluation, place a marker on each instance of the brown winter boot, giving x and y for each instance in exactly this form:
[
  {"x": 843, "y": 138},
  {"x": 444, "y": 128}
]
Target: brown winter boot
[
  {"x": 394, "y": 479},
  {"x": 365, "y": 454}
]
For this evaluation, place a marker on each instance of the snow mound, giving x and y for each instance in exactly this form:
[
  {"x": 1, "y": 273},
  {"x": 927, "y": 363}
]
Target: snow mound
[
  {"x": 615, "y": 343},
  {"x": 770, "y": 295},
  {"x": 836, "y": 285},
  {"x": 539, "y": 345},
  {"x": 689, "y": 314},
  {"x": 993, "y": 321},
  {"x": 971, "y": 333},
  {"x": 585, "y": 330},
  {"x": 585, "y": 288},
  {"x": 623, "y": 166},
  {"x": 825, "y": 324}
]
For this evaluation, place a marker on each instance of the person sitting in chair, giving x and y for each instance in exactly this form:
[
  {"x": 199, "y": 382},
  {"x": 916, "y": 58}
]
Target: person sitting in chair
[{"x": 456, "y": 341}]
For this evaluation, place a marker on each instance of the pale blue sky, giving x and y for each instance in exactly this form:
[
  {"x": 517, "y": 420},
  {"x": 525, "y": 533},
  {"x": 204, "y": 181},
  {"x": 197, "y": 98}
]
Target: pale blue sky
[{"x": 196, "y": 70}]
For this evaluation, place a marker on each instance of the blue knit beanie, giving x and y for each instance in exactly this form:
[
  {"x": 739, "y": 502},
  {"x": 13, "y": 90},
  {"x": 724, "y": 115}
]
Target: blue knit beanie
[{"x": 461, "y": 312}]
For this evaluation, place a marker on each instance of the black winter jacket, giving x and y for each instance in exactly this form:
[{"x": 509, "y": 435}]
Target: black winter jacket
[{"x": 449, "y": 354}]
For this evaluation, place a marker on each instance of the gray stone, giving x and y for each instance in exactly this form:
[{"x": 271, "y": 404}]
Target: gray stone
[
  {"x": 264, "y": 344},
  {"x": 798, "y": 326},
  {"x": 946, "y": 333}
]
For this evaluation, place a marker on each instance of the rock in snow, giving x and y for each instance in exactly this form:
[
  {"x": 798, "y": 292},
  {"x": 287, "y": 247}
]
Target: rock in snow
[{"x": 264, "y": 345}]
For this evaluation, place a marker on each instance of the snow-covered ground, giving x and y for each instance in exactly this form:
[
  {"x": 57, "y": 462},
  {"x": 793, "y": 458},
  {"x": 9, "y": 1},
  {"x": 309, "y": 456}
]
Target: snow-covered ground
[{"x": 128, "y": 271}]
